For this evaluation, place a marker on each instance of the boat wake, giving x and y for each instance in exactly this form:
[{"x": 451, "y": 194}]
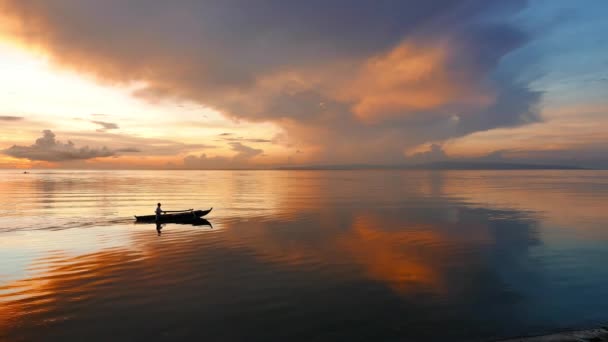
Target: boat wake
[{"x": 61, "y": 224}]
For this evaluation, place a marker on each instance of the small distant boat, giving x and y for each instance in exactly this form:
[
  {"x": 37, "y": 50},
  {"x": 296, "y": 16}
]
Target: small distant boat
[{"x": 181, "y": 216}]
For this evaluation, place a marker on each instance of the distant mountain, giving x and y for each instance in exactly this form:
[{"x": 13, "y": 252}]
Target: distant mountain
[
  {"x": 474, "y": 165},
  {"x": 444, "y": 165}
]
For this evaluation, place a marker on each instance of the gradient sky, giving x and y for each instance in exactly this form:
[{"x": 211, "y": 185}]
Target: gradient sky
[{"x": 240, "y": 84}]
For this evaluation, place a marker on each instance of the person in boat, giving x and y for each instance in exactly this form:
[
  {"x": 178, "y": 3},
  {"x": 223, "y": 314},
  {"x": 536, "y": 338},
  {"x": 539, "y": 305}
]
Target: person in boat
[{"x": 158, "y": 211}]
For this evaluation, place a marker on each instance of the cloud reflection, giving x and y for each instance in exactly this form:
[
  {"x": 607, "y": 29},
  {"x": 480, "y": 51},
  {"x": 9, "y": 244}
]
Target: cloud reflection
[{"x": 426, "y": 250}]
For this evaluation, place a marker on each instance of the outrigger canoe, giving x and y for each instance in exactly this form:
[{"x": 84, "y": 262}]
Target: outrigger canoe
[
  {"x": 184, "y": 216},
  {"x": 199, "y": 221}
]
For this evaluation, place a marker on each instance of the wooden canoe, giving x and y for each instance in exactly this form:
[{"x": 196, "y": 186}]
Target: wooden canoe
[
  {"x": 199, "y": 221},
  {"x": 174, "y": 217}
]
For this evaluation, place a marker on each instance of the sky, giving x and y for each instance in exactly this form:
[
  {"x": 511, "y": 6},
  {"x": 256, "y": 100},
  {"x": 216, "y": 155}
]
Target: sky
[{"x": 259, "y": 84}]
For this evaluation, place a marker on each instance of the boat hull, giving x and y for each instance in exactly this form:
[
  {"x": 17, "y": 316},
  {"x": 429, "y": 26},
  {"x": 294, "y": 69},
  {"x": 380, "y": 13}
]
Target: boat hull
[
  {"x": 175, "y": 217},
  {"x": 199, "y": 221}
]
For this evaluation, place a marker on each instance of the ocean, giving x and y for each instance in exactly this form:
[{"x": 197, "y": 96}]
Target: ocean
[{"x": 302, "y": 255}]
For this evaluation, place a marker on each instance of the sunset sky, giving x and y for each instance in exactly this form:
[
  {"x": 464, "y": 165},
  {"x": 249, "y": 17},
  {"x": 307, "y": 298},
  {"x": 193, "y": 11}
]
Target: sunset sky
[{"x": 258, "y": 84}]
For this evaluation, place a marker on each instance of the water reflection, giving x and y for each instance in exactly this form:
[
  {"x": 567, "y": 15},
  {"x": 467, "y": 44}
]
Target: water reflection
[
  {"x": 195, "y": 222},
  {"x": 328, "y": 256}
]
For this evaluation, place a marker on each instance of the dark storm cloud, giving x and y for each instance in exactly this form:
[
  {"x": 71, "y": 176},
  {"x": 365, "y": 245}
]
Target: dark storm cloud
[
  {"x": 46, "y": 148},
  {"x": 356, "y": 81}
]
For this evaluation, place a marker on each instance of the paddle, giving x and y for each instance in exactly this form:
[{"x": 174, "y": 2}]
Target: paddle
[{"x": 177, "y": 211}]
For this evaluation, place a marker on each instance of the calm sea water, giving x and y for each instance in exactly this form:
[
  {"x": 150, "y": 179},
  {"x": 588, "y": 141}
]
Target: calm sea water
[{"x": 302, "y": 255}]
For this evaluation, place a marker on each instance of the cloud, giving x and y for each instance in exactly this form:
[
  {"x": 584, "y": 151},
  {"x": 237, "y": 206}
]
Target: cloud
[
  {"x": 242, "y": 159},
  {"x": 433, "y": 154},
  {"x": 47, "y": 148},
  {"x": 231, "y": 138},
  {"x": 10, "y": 118},
  {"x": 350, "y": 81},
  {"x": 105, "y": 125},
  {"x": 129, "y": 149},
  {"x": 579, "y": 156},
  {"x": 412, "y": 78},
  {"x": 244, "y": 152},
  {"x": 147, "y": 146}
]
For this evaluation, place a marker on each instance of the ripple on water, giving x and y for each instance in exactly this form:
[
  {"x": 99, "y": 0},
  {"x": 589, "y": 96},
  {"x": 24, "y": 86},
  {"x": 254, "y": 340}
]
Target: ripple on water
[{"x": 328, "y": 255}]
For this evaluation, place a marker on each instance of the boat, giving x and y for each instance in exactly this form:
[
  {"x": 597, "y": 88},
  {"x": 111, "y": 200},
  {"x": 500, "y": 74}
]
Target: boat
[
  {"x": 174, "y": 217},
  {"x": 199, "y": 221}
]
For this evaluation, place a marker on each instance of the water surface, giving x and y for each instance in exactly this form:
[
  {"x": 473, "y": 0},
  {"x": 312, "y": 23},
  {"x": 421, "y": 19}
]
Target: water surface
[{"x": 302, "y": 255}]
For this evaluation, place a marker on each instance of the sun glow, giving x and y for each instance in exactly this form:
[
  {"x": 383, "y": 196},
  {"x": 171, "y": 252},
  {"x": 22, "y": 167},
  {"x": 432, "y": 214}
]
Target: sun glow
[{"x": 37, "y": 95}]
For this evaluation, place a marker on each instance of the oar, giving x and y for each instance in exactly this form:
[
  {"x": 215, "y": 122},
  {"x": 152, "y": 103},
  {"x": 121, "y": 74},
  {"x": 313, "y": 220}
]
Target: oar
[{"x": 177, "y": 211}]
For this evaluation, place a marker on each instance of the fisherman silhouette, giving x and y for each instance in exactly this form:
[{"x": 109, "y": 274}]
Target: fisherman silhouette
[{"x": 158, "y": 212}]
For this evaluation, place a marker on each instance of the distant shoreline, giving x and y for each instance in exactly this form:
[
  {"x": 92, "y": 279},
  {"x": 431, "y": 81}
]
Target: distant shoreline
[
  {"x": 437, "y": 166},
  {"x": 319, "y": 168},
  {"x": 595, "y": 335},
  {"x": 440, "y": 166}
]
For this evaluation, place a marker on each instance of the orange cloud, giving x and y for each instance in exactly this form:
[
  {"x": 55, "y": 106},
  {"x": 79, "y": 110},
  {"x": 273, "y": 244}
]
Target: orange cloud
[
  {"x": 411, "y": 78},
  {"x": 374, "y": 97}
]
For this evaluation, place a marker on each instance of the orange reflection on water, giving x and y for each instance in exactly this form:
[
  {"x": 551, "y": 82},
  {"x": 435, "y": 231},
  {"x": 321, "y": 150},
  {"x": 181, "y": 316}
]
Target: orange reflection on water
[
  {"x": 401, "y": 230},
  {"x": 62, "y": 283},
  {"x": 405, "y": 259}
]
